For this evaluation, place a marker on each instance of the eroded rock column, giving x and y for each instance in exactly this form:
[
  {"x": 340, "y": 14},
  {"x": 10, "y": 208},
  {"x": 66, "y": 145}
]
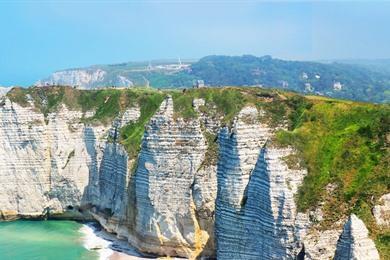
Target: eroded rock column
[{"x": 166, "y": 221}]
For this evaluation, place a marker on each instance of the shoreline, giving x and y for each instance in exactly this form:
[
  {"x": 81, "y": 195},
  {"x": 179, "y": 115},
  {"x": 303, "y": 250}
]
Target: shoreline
[{"x": 106, "y": 245}]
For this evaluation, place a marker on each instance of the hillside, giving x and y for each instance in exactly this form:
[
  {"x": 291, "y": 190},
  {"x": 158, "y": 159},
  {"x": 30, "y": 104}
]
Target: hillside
[
  {"x": 378, "y": 65},
  {"x": 339, "y": 80}
]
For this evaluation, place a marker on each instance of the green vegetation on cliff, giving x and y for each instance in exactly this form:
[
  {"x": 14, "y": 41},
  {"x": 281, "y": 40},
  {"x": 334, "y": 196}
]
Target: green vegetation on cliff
[
  {"x": 106, "y": 103},
  {"x": 221, "y": 102},
  {"x": 344, "y": 145},
  {"x": 131, "y": 134},
  {"x": 225, "y": 103}
]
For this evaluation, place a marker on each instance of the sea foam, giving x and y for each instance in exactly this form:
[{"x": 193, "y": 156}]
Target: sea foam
[{"x": 93, "y": 242}]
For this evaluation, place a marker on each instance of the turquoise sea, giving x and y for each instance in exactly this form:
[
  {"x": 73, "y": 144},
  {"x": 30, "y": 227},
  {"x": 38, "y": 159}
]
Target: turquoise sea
[{"x": 30, "y": 240}]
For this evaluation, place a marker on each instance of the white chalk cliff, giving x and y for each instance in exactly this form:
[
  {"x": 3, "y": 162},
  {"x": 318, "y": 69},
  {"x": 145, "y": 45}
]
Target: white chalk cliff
[
  {"x": 85, "y": 78},
  {"x": 3, "y": 91},
  {"x": 256, "y": 215},
  {"x": 46, "y": 163},
  {"x": 354, "y": 242},
  {"x": 168, "y": 201}
]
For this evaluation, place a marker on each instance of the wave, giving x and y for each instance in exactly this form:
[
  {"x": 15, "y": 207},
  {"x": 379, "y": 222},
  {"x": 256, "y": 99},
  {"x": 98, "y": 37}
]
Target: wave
[
  {"x": 94, "y": 242},
  {"x": 95, "y": 238}
]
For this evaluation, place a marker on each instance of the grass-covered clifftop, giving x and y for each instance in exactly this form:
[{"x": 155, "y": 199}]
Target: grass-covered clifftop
[
  {"x": 345, "y": 147},
  {"x": 343, "y": 144},
  {"x": 106, "y": 104}
]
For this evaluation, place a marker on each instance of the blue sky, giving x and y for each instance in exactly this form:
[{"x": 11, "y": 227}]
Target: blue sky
[{"x": 39, "y": 37}]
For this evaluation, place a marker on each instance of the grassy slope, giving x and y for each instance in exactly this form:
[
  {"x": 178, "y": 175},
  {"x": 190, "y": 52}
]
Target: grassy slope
[
  {"x": 343, "y": 143},
  {"x": 225, "y": 103}
]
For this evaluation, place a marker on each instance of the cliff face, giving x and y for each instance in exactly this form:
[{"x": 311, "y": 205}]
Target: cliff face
[
  {"x": 79, "y": 77},
  {"x": 171, "y": 154},
  {"x": 3, "y": 91},
  {"x": 88, "y": 78},
  {"x": 46, "y": 163},
  {"x": 175, "y": 198},
  {"x": 256, "y": 216},
  {"x": 169, "y": 202},
  {"x": 354, "y": 242}
]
